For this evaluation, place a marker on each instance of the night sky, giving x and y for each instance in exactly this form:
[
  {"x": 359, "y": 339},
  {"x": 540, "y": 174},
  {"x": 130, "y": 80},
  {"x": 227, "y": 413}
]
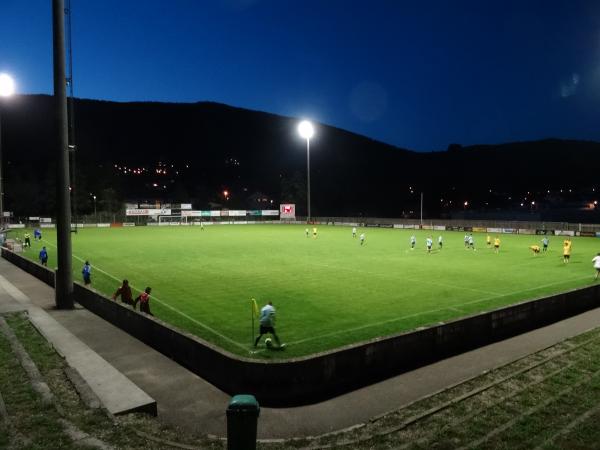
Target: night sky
[{"x": 419, "y": 75}]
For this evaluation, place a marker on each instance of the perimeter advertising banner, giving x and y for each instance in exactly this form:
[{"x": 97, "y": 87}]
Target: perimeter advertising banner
[
  {"x": 287, "y": 211},
  {"x": 148, "y": 212}
]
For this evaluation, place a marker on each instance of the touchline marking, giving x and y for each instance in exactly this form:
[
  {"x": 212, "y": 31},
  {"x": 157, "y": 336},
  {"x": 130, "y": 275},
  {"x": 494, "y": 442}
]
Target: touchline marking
[
  {"x": 397, "y": 319},
  {"x": 166, "y": 305}
]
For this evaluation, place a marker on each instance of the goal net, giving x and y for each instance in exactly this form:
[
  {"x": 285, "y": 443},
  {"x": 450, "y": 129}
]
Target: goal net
[{"x": 172, "y": 220}]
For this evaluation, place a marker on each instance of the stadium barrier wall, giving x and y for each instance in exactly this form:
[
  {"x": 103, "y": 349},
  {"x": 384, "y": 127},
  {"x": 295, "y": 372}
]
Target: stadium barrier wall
[{"x": 315, "y": 378}]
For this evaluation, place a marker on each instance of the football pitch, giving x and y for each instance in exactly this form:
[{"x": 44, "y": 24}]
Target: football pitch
[{"x": 329, "y": 291}]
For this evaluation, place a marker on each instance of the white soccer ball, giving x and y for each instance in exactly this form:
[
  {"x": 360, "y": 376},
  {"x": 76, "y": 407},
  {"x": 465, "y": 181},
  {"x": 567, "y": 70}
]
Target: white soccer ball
[{"x": 269, "y": 342}]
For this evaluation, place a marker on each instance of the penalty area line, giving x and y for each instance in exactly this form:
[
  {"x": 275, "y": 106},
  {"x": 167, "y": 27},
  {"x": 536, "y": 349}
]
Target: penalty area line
[{"x": 166, "y": 305}]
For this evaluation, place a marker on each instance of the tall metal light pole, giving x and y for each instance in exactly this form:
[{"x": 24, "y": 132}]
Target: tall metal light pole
[
  {"x": 64, "y": 275},
  {"x": 95, "y": 214},
  {"x": 421, "y": 209},
  {"x": 7, "y": 88},
  {"x": 306, "y": 131}
]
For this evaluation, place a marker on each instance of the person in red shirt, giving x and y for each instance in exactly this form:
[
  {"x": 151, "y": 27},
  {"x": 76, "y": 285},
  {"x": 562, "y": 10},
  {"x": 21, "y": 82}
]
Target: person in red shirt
[
  {"x": 144, "y": 299},
  {"x": 125, "y": 292}
]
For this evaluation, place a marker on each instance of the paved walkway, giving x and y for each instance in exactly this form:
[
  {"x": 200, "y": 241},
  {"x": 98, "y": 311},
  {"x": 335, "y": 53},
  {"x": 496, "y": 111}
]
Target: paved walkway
[{"x": 187, "y": 401}]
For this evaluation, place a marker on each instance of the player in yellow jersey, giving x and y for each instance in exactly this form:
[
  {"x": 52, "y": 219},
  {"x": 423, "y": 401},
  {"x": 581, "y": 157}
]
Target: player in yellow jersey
[
  {"x": 567, "y": 250},
  {"x": 314, "y": 232},
  {"x": 535, "y": 249},
  {"x": 488, "y": 240},
  {"x": 496, "y": 244}
]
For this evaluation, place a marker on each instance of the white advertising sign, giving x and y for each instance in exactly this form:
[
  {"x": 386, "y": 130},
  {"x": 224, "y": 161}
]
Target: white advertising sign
[
  {"x": 269, "y": 212},
  {"x": 564, "y": 233},
  {"x": 148, "y": 212},
  {"x": 191, "y": 213}
]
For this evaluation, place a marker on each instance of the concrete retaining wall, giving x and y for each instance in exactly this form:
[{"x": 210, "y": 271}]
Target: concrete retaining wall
[{"x": 310, "y": 379}]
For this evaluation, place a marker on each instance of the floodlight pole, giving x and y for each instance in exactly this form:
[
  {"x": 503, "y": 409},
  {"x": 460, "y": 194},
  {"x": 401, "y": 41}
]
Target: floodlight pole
[
  {"x": 64, "y": 273},
  {"x": 421, "y": 209},
  {"x": 1, "y": 182},
  {"x": 308, "y": 175}
]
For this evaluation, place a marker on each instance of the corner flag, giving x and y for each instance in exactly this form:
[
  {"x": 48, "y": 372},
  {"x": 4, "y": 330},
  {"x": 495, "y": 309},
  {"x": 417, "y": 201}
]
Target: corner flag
[{"x": 254, "y": 313}]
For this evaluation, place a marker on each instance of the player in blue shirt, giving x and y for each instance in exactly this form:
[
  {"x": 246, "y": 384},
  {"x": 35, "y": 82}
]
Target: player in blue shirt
[
  {"x": 545, "y": 243},
  {"x": 43, "y": 257},
  {"x": 37, "y": 234},
  {"x": 87, "y": 273}
]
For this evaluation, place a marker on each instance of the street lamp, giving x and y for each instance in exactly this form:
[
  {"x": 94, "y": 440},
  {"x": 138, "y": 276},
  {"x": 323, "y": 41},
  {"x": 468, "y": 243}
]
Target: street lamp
[
  {"x": 7, "y": 88},
  {"x": 306, "y": 131}
]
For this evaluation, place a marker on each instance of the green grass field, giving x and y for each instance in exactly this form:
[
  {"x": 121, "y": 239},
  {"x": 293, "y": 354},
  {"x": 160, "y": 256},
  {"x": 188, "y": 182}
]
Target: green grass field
[{"x": 328, "y": 292}]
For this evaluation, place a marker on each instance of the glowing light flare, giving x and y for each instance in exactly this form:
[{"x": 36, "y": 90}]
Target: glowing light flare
[
  {"x": 305, "y": 129},
  {"x": 7, "y": 85}
]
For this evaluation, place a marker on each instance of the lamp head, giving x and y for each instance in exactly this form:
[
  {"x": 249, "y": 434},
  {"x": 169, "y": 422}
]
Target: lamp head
[
  {"x": 305, "y": 129},
  {"x": 7, "y": 85}
]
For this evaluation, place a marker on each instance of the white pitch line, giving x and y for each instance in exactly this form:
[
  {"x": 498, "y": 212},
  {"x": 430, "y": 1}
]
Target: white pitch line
[
  {"x": 397, "y": 319},
  {"x": 166, "y": 305}
]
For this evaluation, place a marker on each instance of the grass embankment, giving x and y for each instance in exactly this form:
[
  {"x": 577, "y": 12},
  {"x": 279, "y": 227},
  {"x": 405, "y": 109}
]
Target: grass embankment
[
  {"x": 548, "y": 400},
  {"x": 32, "y": 423}
]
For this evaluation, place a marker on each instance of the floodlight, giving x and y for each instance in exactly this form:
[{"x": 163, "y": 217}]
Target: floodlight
[
  {"x": 7, "y": 85},
  {"x": 306, "y": 129}
]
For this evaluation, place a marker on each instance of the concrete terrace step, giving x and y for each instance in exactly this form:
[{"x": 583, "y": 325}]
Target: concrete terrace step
[{"x": 118, "y": 394}]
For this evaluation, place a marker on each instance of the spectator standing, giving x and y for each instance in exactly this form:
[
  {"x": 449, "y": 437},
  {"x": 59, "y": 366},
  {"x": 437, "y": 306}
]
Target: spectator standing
[
  {"x": 87, "y": 273},
  {"x": 144, "y": 300},
  {"x": 43, "y": 257}
]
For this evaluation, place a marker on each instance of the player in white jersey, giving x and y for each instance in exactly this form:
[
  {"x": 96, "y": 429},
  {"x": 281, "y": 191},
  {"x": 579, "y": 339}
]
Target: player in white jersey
[
  {"x": 471, "y": 242},
  {"x": 429, "y": 243},
  {"x": 362, "y": 238},
  {"x": 440, "y": 241},
  {"x": 596, "y": 261},
  {"x": 413, "y": 242},
  {"x": 353, "y": 232}
]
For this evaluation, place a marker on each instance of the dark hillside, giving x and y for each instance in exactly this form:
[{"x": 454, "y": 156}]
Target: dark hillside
[{"x": 256, "y": 155}]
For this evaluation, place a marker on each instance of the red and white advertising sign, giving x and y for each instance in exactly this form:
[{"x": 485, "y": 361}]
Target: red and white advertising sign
[{"x": 287, "y": 211}]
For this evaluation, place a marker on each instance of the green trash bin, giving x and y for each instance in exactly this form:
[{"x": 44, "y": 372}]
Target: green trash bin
[{"x": 242, "y": 419}]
